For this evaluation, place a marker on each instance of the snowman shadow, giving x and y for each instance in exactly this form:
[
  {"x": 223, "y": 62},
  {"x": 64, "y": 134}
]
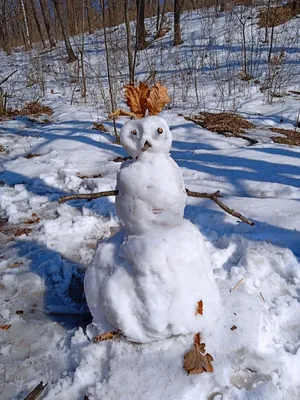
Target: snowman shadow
[{"x": 63, "y": 300}]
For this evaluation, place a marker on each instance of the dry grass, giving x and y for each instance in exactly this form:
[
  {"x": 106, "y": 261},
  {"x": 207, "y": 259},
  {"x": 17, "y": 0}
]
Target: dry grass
[
  {"x": 292, "y": 138},
  {"x": 34, "y": 109},
  {"x": 222, "y": 122},
  {"x": 279, "y": 15},
  {"x": 226, "y": 124},
  {"x": 99, "y": 127}
]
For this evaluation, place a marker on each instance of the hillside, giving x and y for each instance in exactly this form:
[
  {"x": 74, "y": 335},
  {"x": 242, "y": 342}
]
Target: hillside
[{"x": 46, "y": 246}]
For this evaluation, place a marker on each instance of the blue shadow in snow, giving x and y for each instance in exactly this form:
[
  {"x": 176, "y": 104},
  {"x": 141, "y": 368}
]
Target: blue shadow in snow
[{"x": 64, "y": 300}]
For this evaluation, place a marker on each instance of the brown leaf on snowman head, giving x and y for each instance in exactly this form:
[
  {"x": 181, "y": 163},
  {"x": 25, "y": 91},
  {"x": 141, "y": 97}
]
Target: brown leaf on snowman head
[
  {"x": 136, "y": 98},
  {"x": 157, "y": 99}
]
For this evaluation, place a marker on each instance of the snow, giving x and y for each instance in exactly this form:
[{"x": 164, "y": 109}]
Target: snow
[{"x": 256, "y": 268}]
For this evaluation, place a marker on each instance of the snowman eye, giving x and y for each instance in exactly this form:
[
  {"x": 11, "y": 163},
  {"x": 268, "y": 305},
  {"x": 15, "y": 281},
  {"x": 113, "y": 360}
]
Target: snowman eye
[
  {"x": 160, "y": 130},
  {"x": 134, "y": 132}
]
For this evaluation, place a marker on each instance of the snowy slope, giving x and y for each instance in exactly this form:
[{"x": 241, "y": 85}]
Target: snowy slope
[{"x": 42, "y": 271}]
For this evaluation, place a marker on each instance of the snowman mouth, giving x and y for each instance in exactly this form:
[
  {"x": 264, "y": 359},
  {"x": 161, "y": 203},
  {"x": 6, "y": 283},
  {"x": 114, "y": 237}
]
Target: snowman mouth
[{"x": 146, "y": 146}]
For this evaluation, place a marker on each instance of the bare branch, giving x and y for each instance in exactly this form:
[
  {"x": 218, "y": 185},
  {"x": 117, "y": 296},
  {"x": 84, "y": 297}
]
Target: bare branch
[
  {"x": 88, "y": 196},
  {"x": 215, "y": 198},
  {"x": 212, "y": 196},
  {"x": 36, "y": 391}
]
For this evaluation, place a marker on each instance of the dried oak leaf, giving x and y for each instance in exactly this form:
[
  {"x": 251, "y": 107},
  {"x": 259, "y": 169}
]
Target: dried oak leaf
[
  {"x": 196, "y": 360},
  {"x": 5, "y": 327},
  {"x": 157, "y": 99},
  {"x": 199, "y": 309},
  {"x": 105, "y": 336},
  {"x": 136, "y": 98}
]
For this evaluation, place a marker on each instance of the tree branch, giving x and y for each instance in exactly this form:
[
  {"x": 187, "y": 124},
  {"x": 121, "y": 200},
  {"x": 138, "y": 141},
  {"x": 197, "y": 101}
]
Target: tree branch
[
  {"x": 212, "y": 196},
  {"x": 88, "y": 196},
  {"x": 215, "y": 198}
]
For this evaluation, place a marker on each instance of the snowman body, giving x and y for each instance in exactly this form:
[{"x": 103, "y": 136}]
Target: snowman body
[{"x": 148, "y": 279}]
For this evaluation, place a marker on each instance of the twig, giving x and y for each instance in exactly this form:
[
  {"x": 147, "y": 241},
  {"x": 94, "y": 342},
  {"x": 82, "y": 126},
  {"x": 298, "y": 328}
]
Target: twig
[
  {"x": 5, "y": 79},
  {"x": 36, "y": 391},
  {"x": 237, "y": 285},
  {"x": 201, "y": 195},
  {"x": 215, "y": 198},
  {"x": 88, "y": 196},
  {"x": 212, "y": 196}
]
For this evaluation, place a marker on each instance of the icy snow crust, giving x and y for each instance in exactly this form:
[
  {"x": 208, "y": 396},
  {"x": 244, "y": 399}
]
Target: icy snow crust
[{"x": 257, "y": 361}]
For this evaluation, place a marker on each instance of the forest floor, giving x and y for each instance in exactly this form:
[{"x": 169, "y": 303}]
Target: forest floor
[{"x": 45, "y": 248}]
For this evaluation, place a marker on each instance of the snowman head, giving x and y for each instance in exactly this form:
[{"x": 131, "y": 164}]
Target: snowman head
[{"x": 150, "y": 134}]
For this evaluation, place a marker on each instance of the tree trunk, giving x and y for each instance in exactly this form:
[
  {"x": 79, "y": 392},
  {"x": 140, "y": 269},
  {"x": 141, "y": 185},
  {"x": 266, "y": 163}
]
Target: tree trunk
[
  {"x": 177, "y": 31},
  {"x": 47, "y": 21},
  {"x": 88, "y": 15},
  {"x": 37, "y": 21},
  {"x": 4, "y": 37},
  {"x": 140, "y": 25},
  {"x": 129, "y": 42},
  {"x": 26, "y": 31},
  {"x": 71, "y": 55}
]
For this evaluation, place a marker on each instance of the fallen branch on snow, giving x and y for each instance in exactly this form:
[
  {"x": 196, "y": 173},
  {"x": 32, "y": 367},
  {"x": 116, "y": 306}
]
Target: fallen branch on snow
[
  {"x": 36, "y": 391},
  {"x": 212, "y": 196}
]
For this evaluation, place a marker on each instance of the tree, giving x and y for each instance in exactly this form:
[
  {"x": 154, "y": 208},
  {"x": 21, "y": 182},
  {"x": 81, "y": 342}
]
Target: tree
[
  {"x": 27, "y": 40},
  {"x": 71, "y": 55},
  {"x": 37, "y": 21},
  {"x": 129, "y": 41},
  {"x": 47, "y": 21},
  {"x": 140, "y": 25},
  {"x": 178, "y": 4}
]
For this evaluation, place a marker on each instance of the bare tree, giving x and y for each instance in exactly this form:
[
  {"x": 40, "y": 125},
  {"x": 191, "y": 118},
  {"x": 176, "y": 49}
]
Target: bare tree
[
  {"x": 88, "y": 9},
  {"x": 140, "y": 25},
  {"x": 37, "y": 21},
  {"x": 129, "y": 43},
  {"x": 178, "y": 4},
  {"x": 58, "y": 8},
  {"x": 26, "y": 31},
  {"x": 47, "y": 21}
]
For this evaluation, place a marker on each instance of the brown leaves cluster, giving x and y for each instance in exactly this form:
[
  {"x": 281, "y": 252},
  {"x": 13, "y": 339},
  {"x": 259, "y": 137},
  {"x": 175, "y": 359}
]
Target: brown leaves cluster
[
  {"x": 142, "y": 98},
  {"x": 196, "y": 360}
]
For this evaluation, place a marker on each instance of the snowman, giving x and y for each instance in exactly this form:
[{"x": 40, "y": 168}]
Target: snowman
[{"x": 148, "y": 279}]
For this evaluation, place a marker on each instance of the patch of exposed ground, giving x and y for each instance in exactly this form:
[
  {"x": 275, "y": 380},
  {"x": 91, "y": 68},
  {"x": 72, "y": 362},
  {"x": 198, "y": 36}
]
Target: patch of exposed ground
[
  {"x": 226, "y": 124},
  {"x": 291, "y": 138},
  {"x": 35, "y": 109},
  {"x": 278, "y": 15}
]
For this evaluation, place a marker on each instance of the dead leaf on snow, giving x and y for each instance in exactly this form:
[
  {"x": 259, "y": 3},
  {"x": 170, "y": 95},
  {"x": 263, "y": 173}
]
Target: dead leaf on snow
[
  {"x": 15, "y": 265},
  {"x": 157, "y": 99},
  {"x": 196, "y": 360},
  {"x": 105, "y": 336},
  {"x": 5, "y": 327},
  {"x": 199, "y": 309}
]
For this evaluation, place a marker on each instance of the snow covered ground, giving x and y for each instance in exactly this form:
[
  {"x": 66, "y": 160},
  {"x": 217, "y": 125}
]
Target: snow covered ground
[{"x": 42, "y": 269}]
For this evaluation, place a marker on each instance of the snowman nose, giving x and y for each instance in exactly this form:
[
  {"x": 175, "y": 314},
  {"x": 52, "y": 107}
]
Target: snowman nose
[{"x": 146, "y": 146}]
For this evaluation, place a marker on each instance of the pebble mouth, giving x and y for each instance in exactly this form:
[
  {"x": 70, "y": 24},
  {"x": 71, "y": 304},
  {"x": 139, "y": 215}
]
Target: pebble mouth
[{"x": 146, "y": 146}]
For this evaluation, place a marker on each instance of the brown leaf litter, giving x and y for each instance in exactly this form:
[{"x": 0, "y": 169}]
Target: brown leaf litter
[
  {"x": 278, "y": 15},
  {"x": 224, "y": 123},
  {"x": 292, "y": 137}
]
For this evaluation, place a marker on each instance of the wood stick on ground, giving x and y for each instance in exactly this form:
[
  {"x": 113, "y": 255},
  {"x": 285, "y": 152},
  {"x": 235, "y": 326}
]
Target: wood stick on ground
[
  {"x": 212, "y": 196},
  {"x": 215, "y": 198},
  {"x": 36, "y": 391},
  {"x": 88, "y": 196}
]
